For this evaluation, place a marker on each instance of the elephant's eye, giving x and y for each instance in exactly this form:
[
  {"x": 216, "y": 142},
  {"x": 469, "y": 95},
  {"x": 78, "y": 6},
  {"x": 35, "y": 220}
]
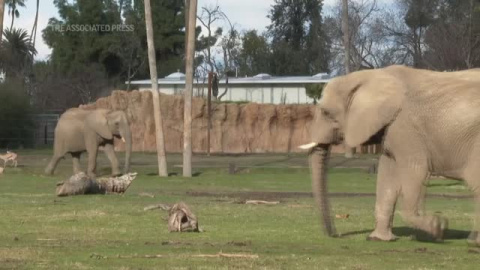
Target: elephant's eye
[{"x": 327, "y": 114}]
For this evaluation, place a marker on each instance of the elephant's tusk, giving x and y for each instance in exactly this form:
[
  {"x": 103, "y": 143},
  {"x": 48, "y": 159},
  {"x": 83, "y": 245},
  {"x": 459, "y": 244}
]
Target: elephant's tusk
[
  {"x": 123, "y": 139},
  {"x": 308, "y": 146}
]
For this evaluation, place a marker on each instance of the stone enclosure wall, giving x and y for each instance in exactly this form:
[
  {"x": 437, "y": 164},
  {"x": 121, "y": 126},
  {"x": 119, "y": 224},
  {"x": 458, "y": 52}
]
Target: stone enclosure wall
[{"x": 236, "y": 128}]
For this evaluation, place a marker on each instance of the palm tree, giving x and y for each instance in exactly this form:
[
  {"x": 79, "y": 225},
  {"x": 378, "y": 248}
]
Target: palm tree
[
  {"x": 160, "y": 138},
  {"x": 346, "y": 43},
  {"x": 13, "y": 8},
  {"x": 187, "y": 111},
  {"x": 2, "y": 9},
  {"x": 35, "y": 23},
  {"x": 16, "y": 51}
]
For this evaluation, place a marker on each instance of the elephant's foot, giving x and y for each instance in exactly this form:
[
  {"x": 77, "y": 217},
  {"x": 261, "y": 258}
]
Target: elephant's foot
[
  {"x": 385, "y": 237},
  {"x": 474, "y": 239},
  {"x": 48, "y": 171},
  {"x": 440, "y": 224},
  {"x": 116, "y": 172}
]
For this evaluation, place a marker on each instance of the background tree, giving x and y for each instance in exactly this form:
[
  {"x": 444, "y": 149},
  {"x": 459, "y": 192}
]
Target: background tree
[
  {"x": 299, "y": 44},
  {"x": 16, "y": 53},
  {"x": 208, "y": 18},
  {"x": 314, "y": 91},
  {"x": 255, "y": 54},
  {"x": 407, "y": 25},
  {"x": 13, "y": 6},
  {"x": 230, "y": 44},
  {"x": 460, "y": 22},
  {"x": 169, "y": 32},
  {"x": 15, "y": 113}
]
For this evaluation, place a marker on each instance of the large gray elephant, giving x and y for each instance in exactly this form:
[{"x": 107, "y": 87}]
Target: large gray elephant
[
  {"x": 428, "y": 122},
  {"x": 81, "y": 130}
]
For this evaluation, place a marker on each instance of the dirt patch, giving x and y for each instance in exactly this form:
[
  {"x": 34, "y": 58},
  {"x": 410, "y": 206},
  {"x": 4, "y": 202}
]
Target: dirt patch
[{"x": 259, "y": 195}]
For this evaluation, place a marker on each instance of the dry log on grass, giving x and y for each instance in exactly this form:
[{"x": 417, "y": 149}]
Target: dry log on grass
[
  {"x": 342, "y": 216},
  {"x": 256, "y": 202},
  {"x": 180, "y": 217},
  {"x": 218, "y": 255},
  {"x": 81, "y": 183},
  {"x": 146, "y": 194}
]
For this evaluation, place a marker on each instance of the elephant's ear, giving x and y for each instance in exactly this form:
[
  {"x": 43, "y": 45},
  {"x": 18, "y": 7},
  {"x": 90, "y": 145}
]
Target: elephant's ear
[
  {"x": 98, "y": 122},
  {"x": 372, "y": 104}
]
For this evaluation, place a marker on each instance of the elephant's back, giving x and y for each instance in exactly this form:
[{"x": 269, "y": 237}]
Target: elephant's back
[
  {"x": 74, "y": 113},
  {"x": 71, "y": 122}
]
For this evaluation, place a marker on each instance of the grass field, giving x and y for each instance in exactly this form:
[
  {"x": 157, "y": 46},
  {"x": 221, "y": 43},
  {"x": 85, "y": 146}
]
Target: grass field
[{"x": 41, "y": 231}]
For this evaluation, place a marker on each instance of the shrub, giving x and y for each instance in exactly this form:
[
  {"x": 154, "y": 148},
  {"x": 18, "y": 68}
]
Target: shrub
[{"x": 16, "y": 125}]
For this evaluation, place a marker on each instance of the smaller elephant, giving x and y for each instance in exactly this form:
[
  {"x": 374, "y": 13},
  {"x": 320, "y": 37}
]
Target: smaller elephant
[{"x": 81, "y": 130}]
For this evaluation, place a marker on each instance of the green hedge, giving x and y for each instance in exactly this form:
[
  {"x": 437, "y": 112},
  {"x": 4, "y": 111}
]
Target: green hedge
[{"x": 16, "y": 125}]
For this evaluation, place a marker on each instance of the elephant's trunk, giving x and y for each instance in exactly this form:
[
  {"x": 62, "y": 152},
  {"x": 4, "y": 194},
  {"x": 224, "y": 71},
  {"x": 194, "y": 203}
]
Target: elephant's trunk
[
  {"x": 319, "y": 162},
  {"x": 127, "y": 136}
]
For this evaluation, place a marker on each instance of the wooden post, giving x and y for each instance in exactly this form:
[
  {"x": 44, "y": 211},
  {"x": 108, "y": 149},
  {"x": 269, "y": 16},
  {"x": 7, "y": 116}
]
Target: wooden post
[
  {"x": 346, "y": 43},
  {"x": 187, "y": 117},
  {"x": 209, "y": 110},
  {"x": 162, "y": 160},
  {"x": 187, "y": 11}
]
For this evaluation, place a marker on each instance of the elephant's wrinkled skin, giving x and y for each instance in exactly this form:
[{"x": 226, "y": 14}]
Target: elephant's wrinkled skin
[
  {"x": 80, "y": 130},
  {"x": 428, "y": 122}
]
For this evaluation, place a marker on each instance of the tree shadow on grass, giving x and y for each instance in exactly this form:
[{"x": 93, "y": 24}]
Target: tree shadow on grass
[
  {"x": 445, "y": 184},
  {"x": 196, "y": 174}
]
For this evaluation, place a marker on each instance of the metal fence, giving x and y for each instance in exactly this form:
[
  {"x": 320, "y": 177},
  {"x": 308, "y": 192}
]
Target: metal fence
[{"x": 44, "y": 128}]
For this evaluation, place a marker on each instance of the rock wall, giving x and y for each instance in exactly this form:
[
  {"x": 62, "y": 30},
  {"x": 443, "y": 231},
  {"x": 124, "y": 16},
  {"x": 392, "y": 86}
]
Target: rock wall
[{"x": 236, "y": 128}]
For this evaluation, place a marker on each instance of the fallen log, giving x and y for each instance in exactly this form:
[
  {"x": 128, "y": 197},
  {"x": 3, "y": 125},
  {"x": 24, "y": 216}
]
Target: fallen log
[{"x": 80, "y": 184}]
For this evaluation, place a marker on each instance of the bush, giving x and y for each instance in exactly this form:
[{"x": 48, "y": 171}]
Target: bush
[
  {"x": 314, "y": 91},
  {"x": 16, "y": 125}
]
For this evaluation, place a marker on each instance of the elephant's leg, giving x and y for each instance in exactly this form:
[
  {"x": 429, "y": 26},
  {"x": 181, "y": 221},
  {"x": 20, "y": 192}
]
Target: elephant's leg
[
  {"x": 387, "y": 194},
  {"x": 76, "y": 162},
  {"x": 110, "y": 152},
  {"x": 471, "y": 176},
  {"x": 474, "y": 237},
  {"x": 53, "y": 163},
  {"x": 92, "y": 160},
  {"x": 413, "y": 194}
]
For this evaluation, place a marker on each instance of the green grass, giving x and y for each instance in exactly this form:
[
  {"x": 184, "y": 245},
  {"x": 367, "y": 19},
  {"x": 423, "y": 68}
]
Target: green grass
[{"x": 41, "y": 231}]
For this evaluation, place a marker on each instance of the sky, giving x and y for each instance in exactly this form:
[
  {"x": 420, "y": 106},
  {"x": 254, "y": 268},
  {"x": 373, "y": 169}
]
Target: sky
[{"x": 245, "y": 14}]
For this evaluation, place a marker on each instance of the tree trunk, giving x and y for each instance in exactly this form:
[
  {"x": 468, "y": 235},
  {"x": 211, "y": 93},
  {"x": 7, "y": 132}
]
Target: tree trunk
[
  {"x": 2, "y": 11},
  {"x": 160, "y": 139},
  {"x": 187, "y": 118},
  {"x": 346, "y": 43},
  {"x": 13, "y": 17},
  {"x": 209, "y": 111},
  {"x": 33, "y": 35},
  {"x": 80, "y": 184}
]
